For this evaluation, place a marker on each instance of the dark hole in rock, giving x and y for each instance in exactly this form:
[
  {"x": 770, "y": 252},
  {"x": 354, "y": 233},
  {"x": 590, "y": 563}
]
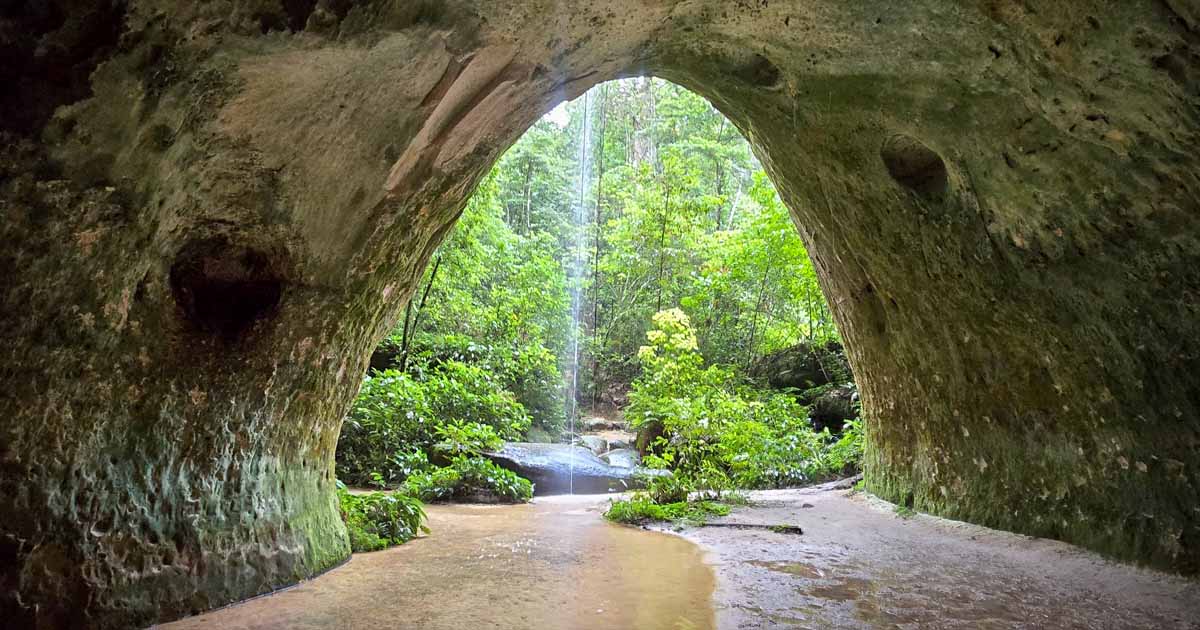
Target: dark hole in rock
[
  {"x": 298, "y": 12},
  {"x": 223, "y": 289},
  {"x": 914, "y": 165},
  {"x": 760, "y": 71},
  {"x": 1174, "y": 66}
]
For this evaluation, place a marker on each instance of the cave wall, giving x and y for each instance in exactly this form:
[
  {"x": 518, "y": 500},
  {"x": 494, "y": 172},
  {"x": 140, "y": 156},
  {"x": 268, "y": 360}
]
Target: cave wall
[{"x": 214, "y": 210}]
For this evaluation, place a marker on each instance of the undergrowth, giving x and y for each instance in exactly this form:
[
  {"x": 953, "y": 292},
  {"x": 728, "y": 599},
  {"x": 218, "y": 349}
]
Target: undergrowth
[
  {"x": 379, "y": 520},
  {"x": 640, "y": 509}
]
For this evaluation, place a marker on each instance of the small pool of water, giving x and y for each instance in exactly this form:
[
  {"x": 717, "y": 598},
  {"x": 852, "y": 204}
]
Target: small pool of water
[{"x": 551, "y": 564}]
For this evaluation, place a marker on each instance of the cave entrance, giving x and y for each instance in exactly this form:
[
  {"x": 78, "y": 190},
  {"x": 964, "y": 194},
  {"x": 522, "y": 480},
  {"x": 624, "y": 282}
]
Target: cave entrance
[
  {"x": 624, "y": 295},
  {"x": 999, "y": 202}
]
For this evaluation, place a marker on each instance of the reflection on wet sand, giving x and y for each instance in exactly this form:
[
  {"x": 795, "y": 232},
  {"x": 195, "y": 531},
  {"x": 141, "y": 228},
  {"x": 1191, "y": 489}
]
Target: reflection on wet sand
[{"x": 551, "y": 564}]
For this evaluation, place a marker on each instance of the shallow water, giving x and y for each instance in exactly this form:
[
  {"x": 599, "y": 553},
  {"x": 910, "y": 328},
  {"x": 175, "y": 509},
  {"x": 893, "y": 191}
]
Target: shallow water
[{"x": 550, "y": 564}]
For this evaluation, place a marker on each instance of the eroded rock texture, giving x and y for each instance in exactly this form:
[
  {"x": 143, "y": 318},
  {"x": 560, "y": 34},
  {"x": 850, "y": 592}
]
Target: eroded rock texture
[{"x": 211, "y": 211}]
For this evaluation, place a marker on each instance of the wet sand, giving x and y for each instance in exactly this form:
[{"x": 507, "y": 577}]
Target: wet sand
[
  {"x": 552, "y": 564},
  {"x": 557, "y": 564},
  {"x": 861, "y": 565}
]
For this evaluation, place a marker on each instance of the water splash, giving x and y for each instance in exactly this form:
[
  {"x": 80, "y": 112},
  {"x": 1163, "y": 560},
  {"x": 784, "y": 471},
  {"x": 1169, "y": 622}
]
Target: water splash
[{"x": 578, "y": 265}]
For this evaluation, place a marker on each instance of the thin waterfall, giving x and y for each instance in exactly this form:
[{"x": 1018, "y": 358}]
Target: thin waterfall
[{"x": 578, "y": 266}]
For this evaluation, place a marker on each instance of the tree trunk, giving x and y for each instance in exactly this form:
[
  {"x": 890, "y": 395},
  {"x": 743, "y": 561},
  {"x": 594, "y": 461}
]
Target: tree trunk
[
  {"x": 662, "y": 243},
  {"x": 528, "y": 195},
  {"x": 410, "y": 331},
  {"x": 762, "y": 289}
]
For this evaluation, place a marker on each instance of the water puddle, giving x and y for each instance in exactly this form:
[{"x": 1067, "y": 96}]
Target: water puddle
[
  {"x": 798, "y": 569},
  {"x": 551, "y": 564}
]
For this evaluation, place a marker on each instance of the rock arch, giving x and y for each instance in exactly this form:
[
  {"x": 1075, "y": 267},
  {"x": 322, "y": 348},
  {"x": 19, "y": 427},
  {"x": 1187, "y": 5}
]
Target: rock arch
[{"x": 1002, "y": 199}]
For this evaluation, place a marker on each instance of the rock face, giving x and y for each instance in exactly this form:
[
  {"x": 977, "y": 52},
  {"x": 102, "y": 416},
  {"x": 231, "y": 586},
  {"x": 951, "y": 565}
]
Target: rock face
[
  {"x": 559, "y": 468},
  {"x": 819, "y": 376},
  {"x": 213, "y": 211}
]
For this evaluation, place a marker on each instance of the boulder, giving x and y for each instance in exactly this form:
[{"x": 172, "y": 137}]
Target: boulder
[
  {"x": 803, "y": 366},
  {"x": 551, "y": 468},
  {"x": 593, "y": 443},
  {"x": 593, "y": 425},
  {"x": 622, "y": 458},
  {"x": 832, "y": 408},
  {"x": 616, "y": 444}
]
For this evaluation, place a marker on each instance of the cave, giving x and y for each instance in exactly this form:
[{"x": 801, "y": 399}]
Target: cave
[{"x": 212, "y": 213}]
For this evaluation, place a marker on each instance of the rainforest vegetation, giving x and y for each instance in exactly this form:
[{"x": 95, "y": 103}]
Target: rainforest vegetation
[{"x": 627, "y": 258}]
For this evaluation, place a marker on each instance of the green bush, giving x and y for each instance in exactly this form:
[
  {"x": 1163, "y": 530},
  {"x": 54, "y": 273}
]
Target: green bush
[
  {"x": 428, "y": 434},
  {"x": 380, "y": 519},
  {"x": 845, "y": 455},
  {"x": 668, "y": 489},
  {"x": 476, "y": 478},
  {"x": 528, "y": 370},
  {"x": 642, "y": 509},
  {"x": 458, "y": 392},
  {"x": 400, "y": 426},
  {"x": 716, "y": 434},
  {"x": 389, "y": 424}
]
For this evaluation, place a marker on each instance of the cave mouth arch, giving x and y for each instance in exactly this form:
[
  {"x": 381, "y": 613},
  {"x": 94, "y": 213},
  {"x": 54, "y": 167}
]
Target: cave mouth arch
[
  {"x": 1026, "y": 337},
  {"x": 629, "y": 157}
]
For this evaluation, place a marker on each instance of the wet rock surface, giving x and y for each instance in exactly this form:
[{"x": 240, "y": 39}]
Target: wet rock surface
[
  {"x": 560, "y": 469},
  {"x": 593, "y": 443},
  {"x": 860, "y": 565},
  {"x": 622, "y": 458}
]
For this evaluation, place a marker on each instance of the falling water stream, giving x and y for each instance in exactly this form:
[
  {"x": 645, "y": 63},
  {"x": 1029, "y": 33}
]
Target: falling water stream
[{"x": 578, "y": 266}]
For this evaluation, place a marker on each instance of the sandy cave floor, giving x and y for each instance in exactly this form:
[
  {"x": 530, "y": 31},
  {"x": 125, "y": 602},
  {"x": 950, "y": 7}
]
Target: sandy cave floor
[{"x": 859, "y": 564}]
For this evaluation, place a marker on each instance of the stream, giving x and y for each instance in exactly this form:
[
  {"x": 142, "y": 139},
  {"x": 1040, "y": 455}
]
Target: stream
[{"x": 554, "y": 563}]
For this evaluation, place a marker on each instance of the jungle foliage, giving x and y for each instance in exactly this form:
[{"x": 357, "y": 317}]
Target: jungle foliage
[
  {"x": 379, "y": 520},
  {"x": 682, "y": 222},
  {"x": 716, "y": 434}
]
